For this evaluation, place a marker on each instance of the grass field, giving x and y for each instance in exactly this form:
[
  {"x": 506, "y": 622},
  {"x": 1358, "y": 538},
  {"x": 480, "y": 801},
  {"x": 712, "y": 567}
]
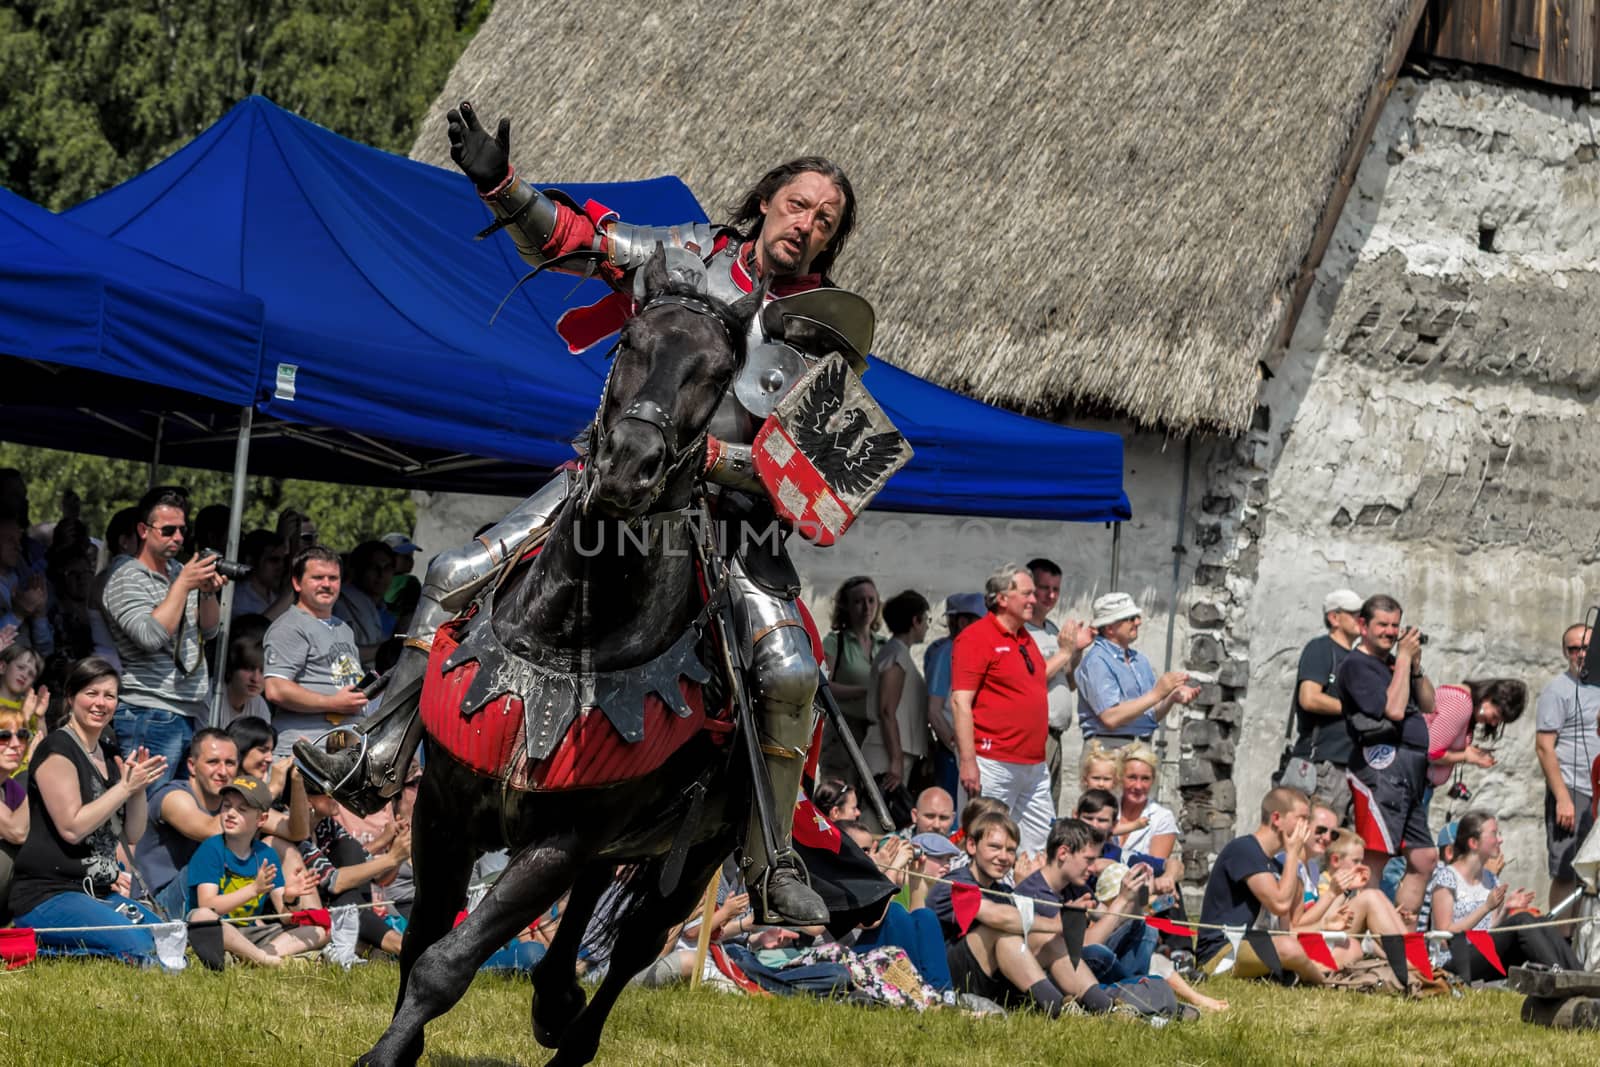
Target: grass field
[{"x": 104, "y": 1013}]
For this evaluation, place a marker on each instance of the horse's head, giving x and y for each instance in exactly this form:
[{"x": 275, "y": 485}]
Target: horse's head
[{"x": 675, "y": 359}]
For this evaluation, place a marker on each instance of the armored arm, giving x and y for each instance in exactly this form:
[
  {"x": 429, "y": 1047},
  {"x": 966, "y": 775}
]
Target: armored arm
[{"x": 731, "y": 465}]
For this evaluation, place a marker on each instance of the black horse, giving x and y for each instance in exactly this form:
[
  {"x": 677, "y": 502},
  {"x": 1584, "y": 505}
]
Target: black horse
[{"x": 593, "y": 611}]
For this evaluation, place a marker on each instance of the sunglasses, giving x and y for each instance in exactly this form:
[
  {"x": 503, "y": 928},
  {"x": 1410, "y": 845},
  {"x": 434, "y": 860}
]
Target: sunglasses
[
  {"x": 1577, "y": 648},
  {"x": 1027, "y": 660},
  {"x": 169, "y": 529},
  {"x": 24, "y": 736},
  {"x": 1322, "y": 831}
]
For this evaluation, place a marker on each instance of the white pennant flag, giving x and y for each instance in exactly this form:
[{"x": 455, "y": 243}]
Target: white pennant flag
[
  {"x": 341, "y": 946},
  {"x": 1235, "y": 935},
  {"x": 1025, "y": 912},
  {"x": 172, "y": 941}
]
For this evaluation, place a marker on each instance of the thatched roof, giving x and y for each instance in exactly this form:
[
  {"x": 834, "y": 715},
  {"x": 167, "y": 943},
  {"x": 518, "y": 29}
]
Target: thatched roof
[{"x": 1065, "y": 206}]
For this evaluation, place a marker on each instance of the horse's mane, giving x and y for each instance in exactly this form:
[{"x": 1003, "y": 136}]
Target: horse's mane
[{"x": 724, "y": 310}]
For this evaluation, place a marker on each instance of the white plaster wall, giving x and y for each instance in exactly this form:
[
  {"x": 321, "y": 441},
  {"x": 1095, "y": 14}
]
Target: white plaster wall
[
  {"x": 939, "y": 555},
  {"x": 1444, "y": 392}
]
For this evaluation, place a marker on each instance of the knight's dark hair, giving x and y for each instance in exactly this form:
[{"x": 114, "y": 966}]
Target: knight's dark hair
[
  {"x": 86, "y": 672},
  {"x": 1073, "y": 834},
  {"x": 1376, "y": 603},
  {"x": 1094, "y": 800},
  {"x": 1507, "y": 694},
  {"x": 828, "y": 793},
  {"x": 320, "y": 553},
  {"x": 747, "y": 210},
  {"x": 902, "y": 609},
  {"x": 1470, "y": 826}
]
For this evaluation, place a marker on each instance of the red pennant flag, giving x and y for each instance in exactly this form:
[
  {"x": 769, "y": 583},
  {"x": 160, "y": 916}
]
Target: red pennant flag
[
  {"x": 18, "y": 947},
  {"x": 1316, "y": 948},
  {"x": 964, "y": 901},
  {"x": 812, "y": 829},
  {"x": 1167, "y": 926},
  {"x": 311, "y": 917},
  {"x": 1417, "y": 955},
  {"x": 1480, "y": 940}
]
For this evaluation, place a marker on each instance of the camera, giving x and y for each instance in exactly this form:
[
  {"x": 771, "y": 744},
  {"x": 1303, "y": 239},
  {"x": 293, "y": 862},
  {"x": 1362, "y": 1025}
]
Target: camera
[
  {"x": 1422, "y": 638},
  {"x": 1459, "y": 791},
  {"x": 230, "y": 569}
]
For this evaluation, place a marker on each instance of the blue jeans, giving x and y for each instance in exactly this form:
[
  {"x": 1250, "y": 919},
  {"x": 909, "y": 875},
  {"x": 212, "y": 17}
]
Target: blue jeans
[
  {"x": 163, "y": 733},
  {"x": 919, "y": 934},
  {"x": 1124, "y": 955},
  {"x": 519, "y": 957},
  {"x": 133, "y": 943}
]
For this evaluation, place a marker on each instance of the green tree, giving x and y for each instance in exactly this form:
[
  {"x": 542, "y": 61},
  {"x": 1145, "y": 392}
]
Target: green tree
[
  {"x": 345, "y": 515},
  {"x": 97, "y": 92}
]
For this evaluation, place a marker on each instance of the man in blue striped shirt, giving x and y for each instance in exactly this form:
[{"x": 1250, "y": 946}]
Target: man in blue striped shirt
[{"x": 1120, "y": 699}]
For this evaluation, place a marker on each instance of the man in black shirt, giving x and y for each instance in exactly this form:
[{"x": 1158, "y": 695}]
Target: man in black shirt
[
  {"x": 1385, "y": 694},
  {"x": 1245, "y": 878},
  {"x": 1318, "y": 716}
]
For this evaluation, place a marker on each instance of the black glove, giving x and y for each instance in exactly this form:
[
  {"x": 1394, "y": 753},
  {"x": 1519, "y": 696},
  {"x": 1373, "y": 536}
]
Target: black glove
[{"x": 484, "y": 159}]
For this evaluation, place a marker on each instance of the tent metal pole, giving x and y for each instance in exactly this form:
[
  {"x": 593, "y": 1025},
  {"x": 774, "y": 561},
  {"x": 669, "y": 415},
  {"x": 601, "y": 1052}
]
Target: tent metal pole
[
  {"x": 241, "y": 465},
  {"x": 155, "y": 452},
  {"x": 1116, "y": 555}
]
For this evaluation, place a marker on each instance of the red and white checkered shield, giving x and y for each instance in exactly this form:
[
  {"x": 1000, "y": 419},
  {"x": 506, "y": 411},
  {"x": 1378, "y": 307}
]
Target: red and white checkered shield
[{"x": 826, "y": 450}]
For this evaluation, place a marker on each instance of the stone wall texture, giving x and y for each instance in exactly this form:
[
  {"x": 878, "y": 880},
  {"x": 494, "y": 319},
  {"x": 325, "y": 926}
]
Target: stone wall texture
[{"x": 1429, "y": 435}]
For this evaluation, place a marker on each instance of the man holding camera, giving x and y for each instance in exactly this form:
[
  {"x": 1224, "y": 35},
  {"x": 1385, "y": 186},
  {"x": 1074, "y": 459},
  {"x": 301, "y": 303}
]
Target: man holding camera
[
  {"x": 1384, "y": 695},
  {"x": 161, "y": 612}
]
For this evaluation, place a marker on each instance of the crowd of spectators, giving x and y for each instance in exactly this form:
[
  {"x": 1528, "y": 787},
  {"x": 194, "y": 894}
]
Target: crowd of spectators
[{"x": 122, "y": 808}]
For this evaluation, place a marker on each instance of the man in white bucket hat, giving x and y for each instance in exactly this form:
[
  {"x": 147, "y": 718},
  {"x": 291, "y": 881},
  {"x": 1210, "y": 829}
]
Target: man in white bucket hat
[{"x": 1120, "y": 699}]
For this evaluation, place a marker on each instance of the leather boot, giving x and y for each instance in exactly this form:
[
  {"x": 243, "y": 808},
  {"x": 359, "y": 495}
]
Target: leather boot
[{"x": 365, "y": 781}]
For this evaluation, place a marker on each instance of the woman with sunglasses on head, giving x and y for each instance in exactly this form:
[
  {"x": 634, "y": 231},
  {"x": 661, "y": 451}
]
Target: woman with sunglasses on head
[
  {"x": 14, "y": 743},
  {"x": 83, "y": 801}
]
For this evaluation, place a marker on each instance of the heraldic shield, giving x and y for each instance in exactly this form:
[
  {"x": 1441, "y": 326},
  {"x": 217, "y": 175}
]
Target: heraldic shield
[{"x": 826, "y": 450}]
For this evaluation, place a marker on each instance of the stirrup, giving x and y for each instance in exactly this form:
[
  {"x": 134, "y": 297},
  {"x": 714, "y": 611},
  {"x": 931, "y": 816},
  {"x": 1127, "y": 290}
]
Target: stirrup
[{"x": 351, "y": 777}]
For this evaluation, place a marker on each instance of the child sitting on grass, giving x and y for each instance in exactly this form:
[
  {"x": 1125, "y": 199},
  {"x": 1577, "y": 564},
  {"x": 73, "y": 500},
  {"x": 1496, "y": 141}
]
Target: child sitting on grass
[{"x": 233, "y": 876}]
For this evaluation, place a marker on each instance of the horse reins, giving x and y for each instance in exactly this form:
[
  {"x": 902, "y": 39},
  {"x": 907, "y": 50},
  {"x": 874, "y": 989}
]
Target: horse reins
[{"x": 651, "y": 413}]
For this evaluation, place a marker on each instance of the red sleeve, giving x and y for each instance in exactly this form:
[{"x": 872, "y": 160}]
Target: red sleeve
[{"x": 969, "y": 660}]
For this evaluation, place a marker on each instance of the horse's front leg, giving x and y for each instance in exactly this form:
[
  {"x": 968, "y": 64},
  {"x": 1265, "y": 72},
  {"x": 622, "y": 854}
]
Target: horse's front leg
[
  {"x": 557, "y": 996},
  {"x": 640, "y": 936},
  {"x": 439, "y": 977}
]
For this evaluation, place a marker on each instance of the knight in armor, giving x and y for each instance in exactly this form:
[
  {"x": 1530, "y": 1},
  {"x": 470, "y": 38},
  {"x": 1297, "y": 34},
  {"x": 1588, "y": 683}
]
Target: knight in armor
[{"x": 786, "y": 233}]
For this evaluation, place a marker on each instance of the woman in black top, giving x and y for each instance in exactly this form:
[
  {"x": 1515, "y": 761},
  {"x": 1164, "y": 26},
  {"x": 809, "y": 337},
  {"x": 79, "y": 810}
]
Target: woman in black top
[{"x": 82, "y": 800}]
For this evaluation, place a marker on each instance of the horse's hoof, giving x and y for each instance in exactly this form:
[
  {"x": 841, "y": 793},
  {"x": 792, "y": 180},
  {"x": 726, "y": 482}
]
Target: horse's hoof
[{"x": 549, "y": 1029}]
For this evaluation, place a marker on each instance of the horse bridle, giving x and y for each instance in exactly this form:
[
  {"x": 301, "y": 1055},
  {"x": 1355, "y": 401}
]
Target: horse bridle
[{"x": 648, "y": 411}]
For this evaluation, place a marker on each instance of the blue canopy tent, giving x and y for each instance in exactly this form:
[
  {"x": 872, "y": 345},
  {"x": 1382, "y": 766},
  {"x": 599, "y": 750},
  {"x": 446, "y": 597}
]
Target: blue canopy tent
[
  {"x": 142, "y": 331},
  {"x": 378, "y": 306}
]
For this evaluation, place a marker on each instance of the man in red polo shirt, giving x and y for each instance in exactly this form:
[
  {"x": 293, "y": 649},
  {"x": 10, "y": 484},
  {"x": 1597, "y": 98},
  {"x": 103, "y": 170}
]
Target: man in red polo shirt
[{"x": 999, "y": 697}]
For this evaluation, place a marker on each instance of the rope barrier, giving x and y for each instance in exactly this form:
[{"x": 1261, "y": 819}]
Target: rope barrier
[{"x": 1001, "y": 890}]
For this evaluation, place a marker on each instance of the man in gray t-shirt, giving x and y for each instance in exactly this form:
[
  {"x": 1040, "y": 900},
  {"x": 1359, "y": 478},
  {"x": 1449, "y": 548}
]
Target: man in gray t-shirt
[
  {"x": 313, "y": 667},
  {"x": 1567, "y": 746}
]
